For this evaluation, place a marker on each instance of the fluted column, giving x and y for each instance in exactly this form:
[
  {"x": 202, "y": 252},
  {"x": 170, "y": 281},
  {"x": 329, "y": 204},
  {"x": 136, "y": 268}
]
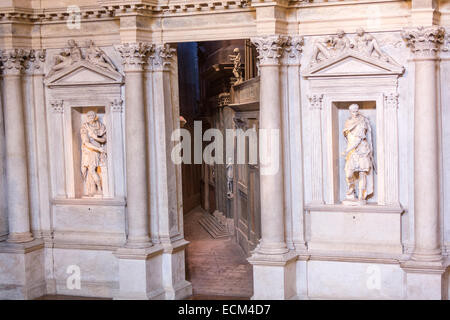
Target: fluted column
[
  {"x": 425, "y": 45},
  {"x": 16, "y": 151},
  {"x": 270, "y": 50},
  {"x": 134, "y": 57}
]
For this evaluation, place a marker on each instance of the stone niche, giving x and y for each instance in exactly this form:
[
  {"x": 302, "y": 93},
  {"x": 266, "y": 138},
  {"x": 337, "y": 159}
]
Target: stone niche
[
  {"x": 83, "y": 81},
  {"x": 344, "y": 71}
]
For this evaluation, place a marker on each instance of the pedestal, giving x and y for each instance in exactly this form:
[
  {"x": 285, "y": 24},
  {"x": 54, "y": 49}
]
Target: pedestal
[
  {"x": 274, "y": 276},
  {"x": 140, "y": 273},
  {"x": 22, "y": 273},
  {"x": 174, "y": 273}
]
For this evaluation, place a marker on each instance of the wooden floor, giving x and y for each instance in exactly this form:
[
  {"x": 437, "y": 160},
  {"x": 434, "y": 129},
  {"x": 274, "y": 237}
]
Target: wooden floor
[{"x": 217, "y": 268}]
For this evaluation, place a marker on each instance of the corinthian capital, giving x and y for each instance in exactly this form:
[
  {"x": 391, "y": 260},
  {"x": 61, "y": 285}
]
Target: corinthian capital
[
  {"x": 13, "y": 61},
  {"x": 35, "y": 61},
  {"x": 293, "y": 50},
  {"x": 270, "y": 49},
  {"x": 424, "y": 41},
  {"x": 162, "y": 56},
  {"x": 134, "y": 55},
  {"x": 315, "y": 101}
]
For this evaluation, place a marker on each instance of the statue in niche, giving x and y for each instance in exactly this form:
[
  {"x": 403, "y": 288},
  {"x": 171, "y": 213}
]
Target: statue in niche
[
  {"x": 237, "y": 68},
  {"x": 67, "y": 57},
  {"x": 229, "y": 168},
  {"x": 93, "y": 154},
  {"x": 98, "y": 57},
  {"x": 359, "y": 162},
  {"x": 330, "y": 47}
]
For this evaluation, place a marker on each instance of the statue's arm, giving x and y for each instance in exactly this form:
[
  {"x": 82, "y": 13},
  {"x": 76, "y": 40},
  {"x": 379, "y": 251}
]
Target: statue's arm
[{"x": 87, "y": 144}]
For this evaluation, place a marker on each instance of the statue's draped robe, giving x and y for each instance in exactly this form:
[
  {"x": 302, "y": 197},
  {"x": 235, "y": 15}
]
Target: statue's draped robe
[
  {"x": 91, "y": 158},
  {"x": 359, "y": 149}
]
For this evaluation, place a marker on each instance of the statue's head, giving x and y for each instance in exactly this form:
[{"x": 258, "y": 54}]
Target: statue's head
[
  {"x": 354, "y": 109},
  {"x": 236, "y": 50},
  {"x": 360, "y": 32},
  {"x": 91, "y": 116}
]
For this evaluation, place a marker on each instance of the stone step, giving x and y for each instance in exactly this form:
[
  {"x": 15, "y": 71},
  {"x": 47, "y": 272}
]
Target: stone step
[{"x": 212, "y": 225}]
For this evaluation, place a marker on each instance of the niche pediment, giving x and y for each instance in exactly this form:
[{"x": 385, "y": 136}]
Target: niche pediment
[
  {"x": 84, "y": 73},
  {"x": 77, "y": 67},
  {"x": 339, "y": 56}
]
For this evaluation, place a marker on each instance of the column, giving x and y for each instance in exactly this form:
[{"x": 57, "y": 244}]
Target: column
[
  {"x": 293, "y": 138},
  {"x": 315, "y": 102},
  {"x": 165, "y": 119},
  {"x": 206, "y": 186},
  {"x": 425, "y": 268},
  {"x": 273, "y": 263},
  {"x": 134, "y": 57},
  {"x": 16, "y": 149}
]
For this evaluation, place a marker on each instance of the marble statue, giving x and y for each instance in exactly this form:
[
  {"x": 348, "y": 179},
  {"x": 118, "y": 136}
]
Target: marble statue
[
  {"x": 229, "y": 168},
  {"x": 93, "y": 157},
  {"x": 97, "y": 56},
  {"x": 237, "y": 68},
  {"x": 67, "y": 57},
  {"x": 330, "y": 47},
  {"x": 359, "y": 163},
  {"x": 366, "y": 43}
]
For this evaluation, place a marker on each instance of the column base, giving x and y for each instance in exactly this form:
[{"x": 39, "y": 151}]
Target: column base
[
  {"x": 425, "y": 280},
  {"x": 20, "y": 237},
  {"x": 274, "y": 276},
  {"x": 22, "y": 270},
  {"x": 140, "y": 273},
  {"x": 174, "y": 273},
  {"x": 139, "y": 243},
  {"x": 272, "y": 248}
]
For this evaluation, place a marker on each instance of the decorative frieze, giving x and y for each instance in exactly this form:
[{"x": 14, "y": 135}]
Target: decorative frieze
[
  {"x": 161, "y": 57},
  {"x": 134, "y": 55},
  {"x": 270, "y": 49},
  {"x": 424, "y": 41}
]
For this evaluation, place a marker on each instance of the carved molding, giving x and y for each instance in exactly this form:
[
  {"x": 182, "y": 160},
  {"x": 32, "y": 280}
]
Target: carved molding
[
  {"x": 315, "y": 101},
  {"x": 270, "y": 49},
  {"x": 57, "y": 106},
  {"x": 293, "y": 50},
  {"x": 424, "y": 41},
  {"x": 13, "y": 61},
  {"x": 134, "y": 55},
  {"x": 161, "y": 57}
]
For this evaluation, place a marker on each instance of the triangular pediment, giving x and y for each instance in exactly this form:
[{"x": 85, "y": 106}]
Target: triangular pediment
[
  {"x": 352, "y": 63},
  {"x": 84, "y": 73}
]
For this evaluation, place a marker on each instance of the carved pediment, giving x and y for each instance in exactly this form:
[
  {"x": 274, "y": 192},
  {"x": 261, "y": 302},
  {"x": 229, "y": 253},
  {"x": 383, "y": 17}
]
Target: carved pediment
[
  {"x": 84, "y": 73},
  {"x": 75, "y": 66},
  {"x": 339, "y": 56},
  {"x": 352, "y": 63}
]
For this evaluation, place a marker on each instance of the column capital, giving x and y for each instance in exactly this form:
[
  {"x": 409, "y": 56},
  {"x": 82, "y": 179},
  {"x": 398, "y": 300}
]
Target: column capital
[
  {"x": 315, "y": 101},
  {"x": 34, "y": 64},
  {"x": 270, "y": 49},
  {"x": 134, "y": 55},
  {"x": 424, "y": 41},
  {"x": 293, "y": 49},
  {"x": 161, "y": 57},
  {"x": 13, "y": 61},
  {"x": 391, "y": 101}
]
